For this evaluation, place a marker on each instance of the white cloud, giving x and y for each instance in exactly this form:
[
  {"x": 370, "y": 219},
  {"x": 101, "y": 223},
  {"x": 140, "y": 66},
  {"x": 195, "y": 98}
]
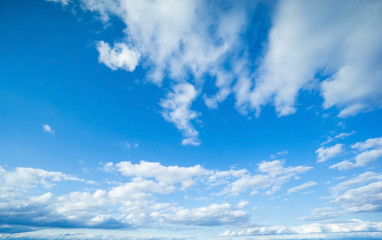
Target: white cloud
[
  {"x": 337, "y": 39},
  {"x": 276, "y": 167},
  {"x": 322, "y": 214},
  {"x": 359, "y": 194},
  {"x": 214, "y": 214},
  {"x": 344, "y": 135},
  {"x": 370, "y": 143},
  {"x": 349, "y": 226},
  {"x": 186, "y": 176},
  {"x": 176, "y": 109},
  {"x": 120, "y": 56},
  {"x": 273, "y": 177},
  {"x": 361, "y": 159},
  {"x": 47, "y": 129},
  {"x": 63, "y": 2},
  {"x": 179, "y": 41},
  {"x": 356, "y": 181},
  {"x": 195, "y": 40},
  {"x": 31, "y": 177},
  {"x": 324, "y": 154},
  {"x": 302, "y": 186},
  {"x": 242, "y": 204},
  {"x": 367, "y": 198}
]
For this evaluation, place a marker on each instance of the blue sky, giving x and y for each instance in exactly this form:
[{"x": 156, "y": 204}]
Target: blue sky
[{"x": 190, "y": 119}]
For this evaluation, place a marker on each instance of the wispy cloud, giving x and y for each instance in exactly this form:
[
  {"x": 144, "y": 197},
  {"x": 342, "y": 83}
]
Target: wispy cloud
[
  {"x": 47, "y": 129},
  {"x": 302, "y": 186},
  {"x": 349, "y": 226},
  {"x": 368, "y": 151},
  {"x": 176, "y": 109}
]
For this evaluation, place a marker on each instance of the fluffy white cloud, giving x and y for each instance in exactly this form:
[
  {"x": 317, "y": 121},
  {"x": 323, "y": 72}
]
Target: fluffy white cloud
[
  {"x": 370, "y": 143},
  {"x": 120, "y": 56},
  {"x": 335, "y": 39},
  {"x": 176, "y": 109},
  {"x": 186, "y": 176},
  {"x": 302, "y": 186},
  {"x": 324, "y": 154},
  {"x": 179, "y": 41}
]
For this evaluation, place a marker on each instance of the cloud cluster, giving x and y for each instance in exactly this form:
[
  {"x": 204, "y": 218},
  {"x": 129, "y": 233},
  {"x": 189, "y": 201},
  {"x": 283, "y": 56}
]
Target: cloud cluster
[
  {"x": 367, "y": 152},
  {"x": 330, "y": 47},
  {"x": 133, "y": 202}
]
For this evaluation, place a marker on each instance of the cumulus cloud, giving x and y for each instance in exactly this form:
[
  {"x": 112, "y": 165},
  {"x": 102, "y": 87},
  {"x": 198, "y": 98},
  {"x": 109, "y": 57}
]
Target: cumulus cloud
[
  {"x": 47, "y": 129},
  {"x": 324, "y": 154},
  {"x": 302, "y": 186},
  {"x": 186, "y": 176},
  {"x": 120, "y": 56}
]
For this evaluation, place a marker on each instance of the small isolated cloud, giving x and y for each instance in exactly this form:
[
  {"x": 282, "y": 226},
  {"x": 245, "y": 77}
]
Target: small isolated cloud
[
  {"x": 120, "y": 56},
  {"x": 63, "y": 2},
  {"x": 176, "y": 109},
  {"x": 47, "y": 129},
  {"x": 242, "y": 204},
  {"x": 302, "y": 186},
  {"x": 344, "y": 135},
  {"x": 324, "y": 154}
]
